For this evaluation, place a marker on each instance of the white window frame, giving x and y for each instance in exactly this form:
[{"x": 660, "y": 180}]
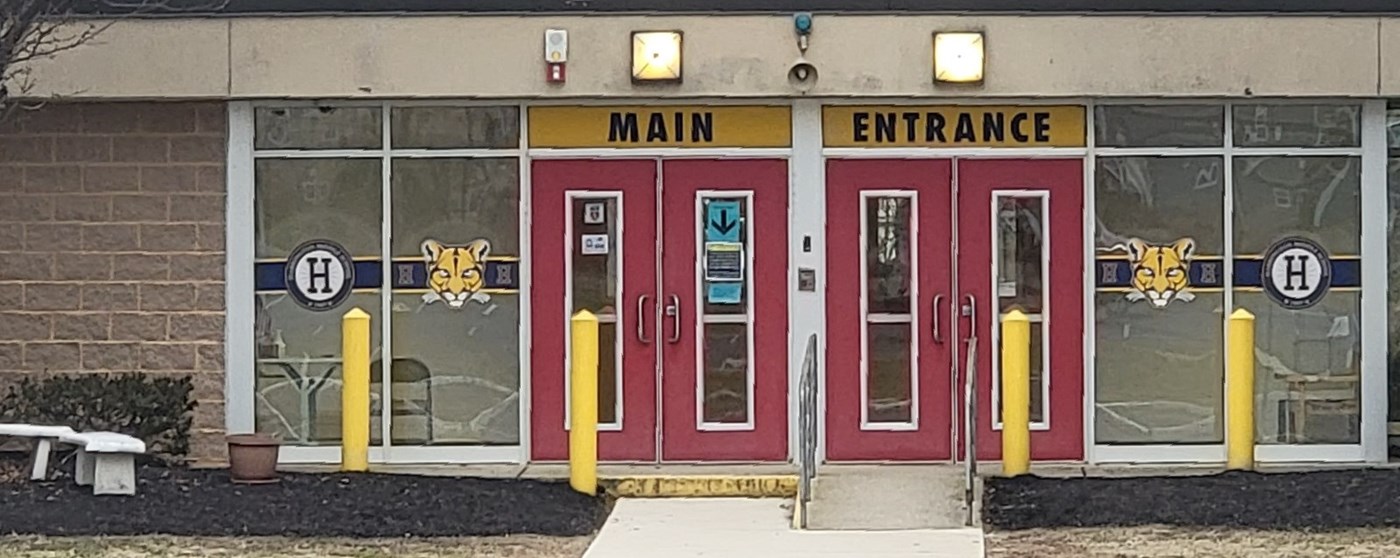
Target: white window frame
[
  {"x": 618, "y": 336},
  {"x": 867, "y": 318},
  {"x": 1043, "y": 317},
  {"x": 1371, "y": 446},
  {"x": 240, "y": 379},
  {"x": 703, "y": 319}
]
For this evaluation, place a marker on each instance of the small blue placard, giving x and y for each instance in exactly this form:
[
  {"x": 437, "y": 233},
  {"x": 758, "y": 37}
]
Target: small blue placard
[
  {"x": 724, "y": 293},
  {"x": 722, "y": 221}
]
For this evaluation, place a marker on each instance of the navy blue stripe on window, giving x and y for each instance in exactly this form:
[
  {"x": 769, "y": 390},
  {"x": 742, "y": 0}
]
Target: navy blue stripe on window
[
  {"x": 1345, "y": 272},
  {"x": 1118, "y": 272},
  {"x": 1206, "y": 273},
  {"x": 499, "y": 275},
  {"x": 269, "y": 276}
]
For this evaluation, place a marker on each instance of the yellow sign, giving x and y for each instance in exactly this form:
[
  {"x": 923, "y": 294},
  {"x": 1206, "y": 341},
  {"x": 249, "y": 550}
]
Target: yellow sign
[
  {"x": 661, "y": 126},
  {"x": 953, "y": 126}
]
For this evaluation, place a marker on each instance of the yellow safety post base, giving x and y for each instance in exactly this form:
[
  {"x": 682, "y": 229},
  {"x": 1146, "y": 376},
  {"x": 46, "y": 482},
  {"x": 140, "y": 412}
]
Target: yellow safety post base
[
  {"x": 1240, "y": 392},
  {"x": 1015, "y": 394},
  {"x": 583, "y": 403},
  {"x": 354, "y": 393}
]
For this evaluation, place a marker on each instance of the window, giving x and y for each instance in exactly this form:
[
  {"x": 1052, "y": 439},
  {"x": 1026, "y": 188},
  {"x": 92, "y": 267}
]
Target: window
[
  {"x": 890, "y": 353},
  {"x": 427, "y": 205},
  {"x": 1190, "y": 201},
  {"x": 1393, "y": 274}
]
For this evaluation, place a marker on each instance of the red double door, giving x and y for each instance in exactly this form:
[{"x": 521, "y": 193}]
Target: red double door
[
  {"x": 925, "y": 256},
  {"x": 684, "y": 262}
]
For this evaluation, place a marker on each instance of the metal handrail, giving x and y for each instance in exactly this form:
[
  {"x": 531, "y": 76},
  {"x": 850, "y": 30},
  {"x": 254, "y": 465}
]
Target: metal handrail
[
  {"x": 807, "y": 430},
  {"x": 970, "y": 429}
]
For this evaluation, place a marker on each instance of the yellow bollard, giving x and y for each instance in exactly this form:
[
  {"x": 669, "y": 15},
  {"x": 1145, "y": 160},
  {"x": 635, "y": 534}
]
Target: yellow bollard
[
  {"x": 1015, "y": 394},
  {"x": 354, "y": 393},
  {"x": 1240, "y": 392},
  {"x": 583, "y": 403}
]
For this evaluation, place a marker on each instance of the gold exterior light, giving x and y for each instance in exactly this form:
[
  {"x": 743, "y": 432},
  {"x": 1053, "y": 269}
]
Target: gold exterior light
[
  {"x": 958, "y": 57},
  {"x": 656, "y": 55}
]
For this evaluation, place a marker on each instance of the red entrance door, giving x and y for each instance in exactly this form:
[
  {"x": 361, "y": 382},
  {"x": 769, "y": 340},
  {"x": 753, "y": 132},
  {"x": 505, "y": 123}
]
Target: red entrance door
[
  {"x": 919, "y": 268},
  {"x": 690, "y": 289},
  {"x": 890, "y": 338}
]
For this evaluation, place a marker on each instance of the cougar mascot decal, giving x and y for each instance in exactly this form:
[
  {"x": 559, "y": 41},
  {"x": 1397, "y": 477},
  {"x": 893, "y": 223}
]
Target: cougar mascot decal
[
  {"x": 1161, "y": 273},
  {"x": 456, "y": 274}
]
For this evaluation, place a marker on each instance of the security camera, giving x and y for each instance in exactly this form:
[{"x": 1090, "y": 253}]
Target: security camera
[{"x": 802, "y": 75}]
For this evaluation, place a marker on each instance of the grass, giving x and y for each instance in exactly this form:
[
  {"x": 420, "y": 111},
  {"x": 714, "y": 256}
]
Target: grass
[
  {"x": 1164, "y": 542},
  {"x": 257, "y": 547}
]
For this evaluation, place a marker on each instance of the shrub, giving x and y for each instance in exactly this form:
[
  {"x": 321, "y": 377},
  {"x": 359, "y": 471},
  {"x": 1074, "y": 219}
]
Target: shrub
[{"x": 156, "y": 409}]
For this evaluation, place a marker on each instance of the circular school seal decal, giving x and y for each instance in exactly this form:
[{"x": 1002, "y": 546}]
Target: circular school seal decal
[
  {"x": 319, "y": 275},
  {"x": 1297, "y": 273}
]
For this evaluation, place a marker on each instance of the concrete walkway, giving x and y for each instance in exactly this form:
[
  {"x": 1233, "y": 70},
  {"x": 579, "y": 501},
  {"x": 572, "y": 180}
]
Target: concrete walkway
[{"x": 757, "y": 528}]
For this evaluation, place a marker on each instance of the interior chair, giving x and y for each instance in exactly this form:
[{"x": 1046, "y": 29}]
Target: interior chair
[{"x": 411, "y": 392}]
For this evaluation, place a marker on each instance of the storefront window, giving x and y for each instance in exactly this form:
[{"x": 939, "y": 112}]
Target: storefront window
[
  {"x": 1307, "y": 359},
  {"x": 297, "y": 384},
  {"x": 1159, "y": 126},
  {"x": 1160, "y": 275},
  {"x": 1393, "y": 274},
  {"x": 455, "y": 342},
  {"x": 1168, "y": 277},
  {"x": 451, "y": 285},
  {"x": 1297, "y": 125},
  {"x": 317, "y": 128}
]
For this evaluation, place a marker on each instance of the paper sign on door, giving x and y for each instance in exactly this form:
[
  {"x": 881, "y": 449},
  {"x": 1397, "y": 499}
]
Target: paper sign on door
[
  {"x": 724, "y": 261},
  {"x": 595, "y": 244}
]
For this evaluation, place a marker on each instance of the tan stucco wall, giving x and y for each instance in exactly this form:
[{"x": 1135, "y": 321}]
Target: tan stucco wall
[{"x": 501, "y": 56}]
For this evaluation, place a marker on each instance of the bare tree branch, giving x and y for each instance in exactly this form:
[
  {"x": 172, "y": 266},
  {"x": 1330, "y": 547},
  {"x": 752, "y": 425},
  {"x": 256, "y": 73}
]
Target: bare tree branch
[{"x": 34, "y": 30}]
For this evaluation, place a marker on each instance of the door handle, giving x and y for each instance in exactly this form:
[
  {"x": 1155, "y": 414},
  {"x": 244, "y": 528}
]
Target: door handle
[
  {"x": 674, "y": 311},
  {"x": 642, "y": 320},
  {"x": 970, "y": 310},
  {"x": 937, "y": 331}
]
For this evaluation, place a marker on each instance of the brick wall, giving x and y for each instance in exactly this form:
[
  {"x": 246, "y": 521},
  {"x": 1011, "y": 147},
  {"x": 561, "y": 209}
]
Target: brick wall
[{"x": 112, "y": 246}]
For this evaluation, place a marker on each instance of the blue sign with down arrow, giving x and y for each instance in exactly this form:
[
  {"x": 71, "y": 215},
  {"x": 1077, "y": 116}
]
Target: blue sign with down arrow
[{"x": 722, "y": 221}]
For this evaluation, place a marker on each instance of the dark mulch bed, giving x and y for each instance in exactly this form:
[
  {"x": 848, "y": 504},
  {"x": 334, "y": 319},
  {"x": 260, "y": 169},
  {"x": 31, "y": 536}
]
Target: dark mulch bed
[
  {"x": 205, "y": 503},
  {"x": 1313, "y": 500}
]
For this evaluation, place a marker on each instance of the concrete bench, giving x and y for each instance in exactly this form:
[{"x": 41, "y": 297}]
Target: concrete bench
[
  {"x": 44, "y": 437},
  {"x": 106, "y": 461}
]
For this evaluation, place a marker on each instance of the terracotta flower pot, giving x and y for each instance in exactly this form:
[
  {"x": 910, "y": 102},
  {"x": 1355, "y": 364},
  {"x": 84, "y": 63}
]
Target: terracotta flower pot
[{"x": 253, "y": 458}]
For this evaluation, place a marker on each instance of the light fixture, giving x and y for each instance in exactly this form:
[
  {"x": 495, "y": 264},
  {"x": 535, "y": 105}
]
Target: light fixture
[
  {"x": 656, "y": 56},
  {"x": 958, "y": 57}
]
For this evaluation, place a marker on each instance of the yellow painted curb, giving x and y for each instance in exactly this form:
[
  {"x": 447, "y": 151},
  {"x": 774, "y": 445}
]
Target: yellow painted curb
[{"x": 704, "y": 486}]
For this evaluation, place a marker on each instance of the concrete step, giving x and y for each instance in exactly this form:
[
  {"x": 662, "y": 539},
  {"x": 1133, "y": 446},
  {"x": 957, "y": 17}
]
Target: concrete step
[{"x": 889, "y": 497}]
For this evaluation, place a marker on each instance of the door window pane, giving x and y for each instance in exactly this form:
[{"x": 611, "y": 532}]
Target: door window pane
[
  {"x": 724, "y": 229},
  {"x": 889, "y": 380},
  {"x": 1159, "y": 125},
  {"x": 317, "y": 128},
  {"x": 1020, "y": 253},
  {"x": 1293, "y": 125},
  {"x": 888, "y": 253},
  {"x": 593, "y": 286},
  {"x": 456, "y": 309},
  {"x": 726, "y": 375},
  {"x": 1159, "y": 320},
  {"x": 727, "y": 378},
  {"x": 455, "y": 127},
  {"x": 297, "y": 200},
  {"x": 1037, "y": 365},
  {"x": 1307, "y": 369}
]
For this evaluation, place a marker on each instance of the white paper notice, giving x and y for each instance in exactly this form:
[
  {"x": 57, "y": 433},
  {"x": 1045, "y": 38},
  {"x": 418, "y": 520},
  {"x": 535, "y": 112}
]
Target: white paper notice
[{"x": 595, "y": 244}]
